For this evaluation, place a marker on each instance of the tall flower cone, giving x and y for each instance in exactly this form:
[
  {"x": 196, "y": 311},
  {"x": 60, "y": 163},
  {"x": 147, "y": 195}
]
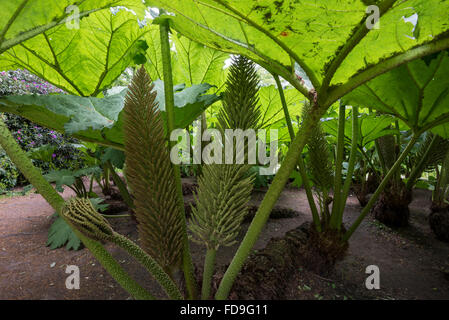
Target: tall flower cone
[{"x": 150, "y": 175}]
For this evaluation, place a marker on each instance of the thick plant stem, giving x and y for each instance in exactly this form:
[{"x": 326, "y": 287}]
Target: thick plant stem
[
  {"x": 170, "y": 109},
  {"x": 209, "y": 263},
  {"x": 120, "y": 185},
  {"x": 34, "y": 176},
  {"x": 351, "y": 164},
  {"x": 381, "y": 187},
  {"x": 301, "y": 166},
  {"x": 309, "y": 194},
  {"x": 268, "y": 203},
  {"x": 338, "y": 167},
  {"x": 150, "y": 264}
]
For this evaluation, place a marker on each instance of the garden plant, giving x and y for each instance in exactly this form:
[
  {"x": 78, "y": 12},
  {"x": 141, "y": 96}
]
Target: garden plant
[{"x": 383, "y": 79}]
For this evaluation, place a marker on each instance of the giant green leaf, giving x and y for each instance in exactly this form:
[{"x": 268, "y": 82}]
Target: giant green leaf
[
  {"x": 197, "y": 63},
  {"x": 417, "y": 93},
  {"x": 21, "y": 20},
  {"x": 153, "y": 54},
  {"x": 100, "y": 119},
  {"x": 327, "y": 38},
  {"x": 371, "y": 127},
  {"x": 192, "y": 63},
  {"x": 82, "y": 61},
  {"x": 271, "y": 106}
]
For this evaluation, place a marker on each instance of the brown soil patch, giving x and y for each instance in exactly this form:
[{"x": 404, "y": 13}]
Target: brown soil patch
[{"x": 413, "y": 263}]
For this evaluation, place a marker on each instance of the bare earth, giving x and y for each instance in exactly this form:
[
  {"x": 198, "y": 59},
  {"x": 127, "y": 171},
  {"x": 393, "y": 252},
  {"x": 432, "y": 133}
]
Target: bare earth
[{"x": 413, "y": 263}]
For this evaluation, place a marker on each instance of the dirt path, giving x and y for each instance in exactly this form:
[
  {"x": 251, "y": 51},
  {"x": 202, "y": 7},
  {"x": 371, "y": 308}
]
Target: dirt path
[{"x": 411, "y": 261}]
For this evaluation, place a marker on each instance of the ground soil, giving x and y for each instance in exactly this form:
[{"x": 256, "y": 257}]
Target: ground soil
[{"x": 413, "y": 263}]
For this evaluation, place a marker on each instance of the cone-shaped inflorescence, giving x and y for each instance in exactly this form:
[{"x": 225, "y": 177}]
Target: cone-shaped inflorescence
[
  {"x": 319, "y": 165},
  {"x": 240, "y": 100},
  {"x": 223, "y": 194},
  {"x": 319, "y": 157},
  {"x": 150, "y": 175},
  {"x": 85, "y": 218},
  {"x": 81, "y": 213},
  {"x": 225, "y": 189}
]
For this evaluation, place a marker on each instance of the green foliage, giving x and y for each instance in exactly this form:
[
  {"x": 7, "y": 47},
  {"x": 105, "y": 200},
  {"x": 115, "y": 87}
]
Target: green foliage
[
  {"x": 82, "y": 61},
  {"x": 38, "y": 141},
  {"x": 116, "y": 157},
  {"x": 61, "y": 234},
  {"x": 190, "y": 102},
  {"x": 8, "y": 172},
  {"x": 100, "y": 119},
  {"x": 195, "y": 63},
  {"x": 269, "y": 32},
  {"x": 326, "y": 42},
  {"x": 272, "y": 115},
  {"x": 22, "y": 20},
  {"x": 417, "y": 93},
  {"x": 371, "y": 127},
  {"x": 431, "y": 152},
  {"x": 74, "y": 180},
  {"x": 260, "y": 181}
]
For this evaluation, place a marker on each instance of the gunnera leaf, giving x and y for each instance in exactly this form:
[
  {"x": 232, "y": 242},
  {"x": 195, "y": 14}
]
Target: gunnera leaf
[
  {"x": 150, "y": 175},
  {"x": 61, "y": 234}
]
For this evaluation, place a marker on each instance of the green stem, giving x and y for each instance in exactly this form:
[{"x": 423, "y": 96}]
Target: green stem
[
  {"x": 338, "y": 166},
  {"x": 91, "y": 184},
  {"x": 150, "y": 264},
  {"x": 419, "y": 168},
  {"x": 381, "y": 158},
  {"x": 268, "y": 202},
  {"x": 209, "y": 263},
  {"x": 301, "y": 166},
  {"x": 284, "y": 106},
  {"x": 309, "y": 194},
  {"x": 120, "y": 185},
  {"x": 170, "y": 109},
  {"x": 116, "y": 215},
  {"x": 368, "y": 161},
  {"x": 34, "y": 176},
  {"x": 381, "y": 187},
  {"x": 351, "y": 164}
]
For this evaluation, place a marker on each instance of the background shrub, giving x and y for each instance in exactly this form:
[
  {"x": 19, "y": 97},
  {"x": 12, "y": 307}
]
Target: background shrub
[{"x": 29, "y": 135}]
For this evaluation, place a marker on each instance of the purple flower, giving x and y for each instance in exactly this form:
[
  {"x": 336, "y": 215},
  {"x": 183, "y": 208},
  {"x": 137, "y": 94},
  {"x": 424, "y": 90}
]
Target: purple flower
[
  {"x": 53, "y": 136},
  {"x": 19, "y": 138},
  {"x": 53, "y": 155}
]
